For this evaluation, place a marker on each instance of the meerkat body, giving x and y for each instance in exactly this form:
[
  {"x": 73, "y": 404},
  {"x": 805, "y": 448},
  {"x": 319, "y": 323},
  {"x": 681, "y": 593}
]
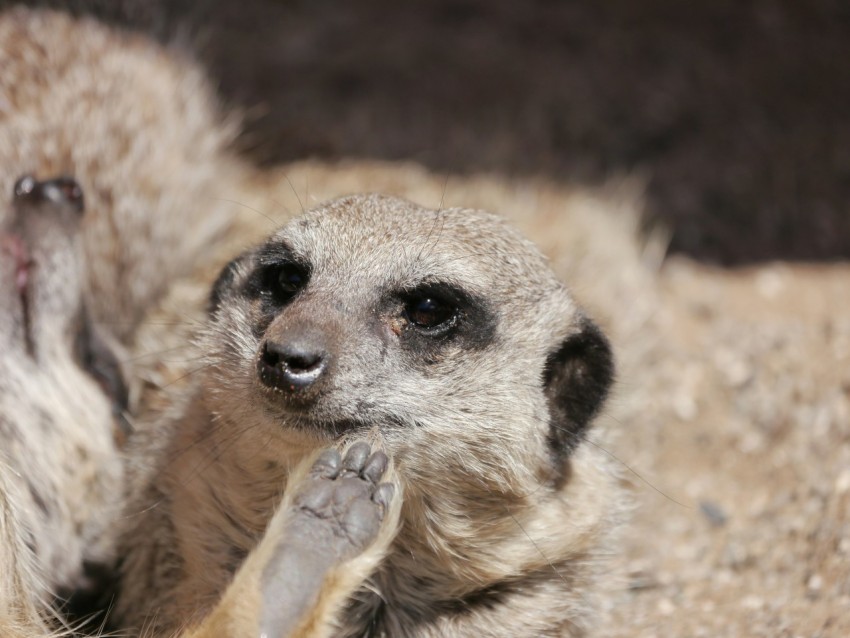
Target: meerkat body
[
  {"x": 444, "y": 337},
  {"x": 137, "y": 128},
  {"x": 62, "y": 395}
]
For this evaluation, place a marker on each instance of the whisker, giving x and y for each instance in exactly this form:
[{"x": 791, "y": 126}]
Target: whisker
[
  {"x": 294, "y": 192},
  {"x": 280, "y": 204},
  {"x": 439, "y": 219},
  {"x": 443, "y": 195},
  {"x": 148, "y": 323},
  {"x": 244, "y": 205},
  {"x": 637, "y": 474},
  {"x": 154, "y": 353},
  {"x": 187, "y": 375}
]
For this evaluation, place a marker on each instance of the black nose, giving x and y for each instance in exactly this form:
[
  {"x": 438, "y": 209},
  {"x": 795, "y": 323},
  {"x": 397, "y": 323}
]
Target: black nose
[
  {"x": 291, "y": 366},
  {"x": 61, "y": 190}
]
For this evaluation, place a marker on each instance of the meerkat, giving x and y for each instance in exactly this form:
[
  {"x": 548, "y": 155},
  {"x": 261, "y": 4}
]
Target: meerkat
[
  {"x": 62, "y": 392},
  {"x": 443, "y": 337},
  {"x": 138, "y": 127}
]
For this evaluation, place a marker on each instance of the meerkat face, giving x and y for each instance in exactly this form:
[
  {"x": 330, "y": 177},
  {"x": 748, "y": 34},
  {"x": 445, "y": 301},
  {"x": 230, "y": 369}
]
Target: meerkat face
[
  {"x": 62, "y": 395},
  {"x": 44, "y": 322},
  {"x": 430, "y": 325}
]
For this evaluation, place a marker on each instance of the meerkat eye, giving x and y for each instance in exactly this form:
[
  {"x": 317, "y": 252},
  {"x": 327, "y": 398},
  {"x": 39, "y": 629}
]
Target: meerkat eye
[
  {"x": 430, "y": 313},
  {"x": 284, "y": 281},
  {"x": 291, "y": 279}
]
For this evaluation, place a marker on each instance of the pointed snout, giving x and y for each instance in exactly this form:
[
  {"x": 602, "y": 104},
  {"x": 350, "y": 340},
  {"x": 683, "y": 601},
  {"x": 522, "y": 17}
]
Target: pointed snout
[
  {"x": 293, "y": 363},
  {"x": 62, "y": 191}
]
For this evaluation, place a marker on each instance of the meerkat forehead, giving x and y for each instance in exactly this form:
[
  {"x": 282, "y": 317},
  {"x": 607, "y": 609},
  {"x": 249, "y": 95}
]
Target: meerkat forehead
[{"x": 401, "y": 243}]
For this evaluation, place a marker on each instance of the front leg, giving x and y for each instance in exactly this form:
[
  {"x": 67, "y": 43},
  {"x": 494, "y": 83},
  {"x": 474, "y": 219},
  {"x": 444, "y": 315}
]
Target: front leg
[
  {"x": 336, "y": 513},
  {"x": 332, "y": 531}
]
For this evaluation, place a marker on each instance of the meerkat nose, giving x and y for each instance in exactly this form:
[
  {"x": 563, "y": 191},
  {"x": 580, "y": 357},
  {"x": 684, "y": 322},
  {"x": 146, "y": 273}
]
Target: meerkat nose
[
  {"x": 291, "y": 366},
  {"x": 61, "y": 190}
]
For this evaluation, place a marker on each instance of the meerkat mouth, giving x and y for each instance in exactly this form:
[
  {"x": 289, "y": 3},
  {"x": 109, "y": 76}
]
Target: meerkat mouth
[
  {"x": 325, "y": 427},
  {"x": 15, "y": 246}
]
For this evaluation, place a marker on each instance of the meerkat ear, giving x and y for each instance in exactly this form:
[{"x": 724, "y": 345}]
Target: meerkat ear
[
  {"x": 224, "y": 283},
  {"x": 576, "y": 380}
]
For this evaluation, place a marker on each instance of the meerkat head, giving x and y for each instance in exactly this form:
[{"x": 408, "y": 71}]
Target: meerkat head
[
  {"x": 62, "y": 395},
  {"x": 44, "y": 322},
  {"x": 444, "y": 329}
]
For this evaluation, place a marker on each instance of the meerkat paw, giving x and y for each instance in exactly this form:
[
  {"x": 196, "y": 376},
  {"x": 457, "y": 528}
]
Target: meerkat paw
[
  {"x": 342, "y": 503},
  {"x": 330, "y": 542}
]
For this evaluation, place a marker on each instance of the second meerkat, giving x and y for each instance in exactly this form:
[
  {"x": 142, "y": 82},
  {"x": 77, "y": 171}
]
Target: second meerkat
[{"x": 443, "y": 335}]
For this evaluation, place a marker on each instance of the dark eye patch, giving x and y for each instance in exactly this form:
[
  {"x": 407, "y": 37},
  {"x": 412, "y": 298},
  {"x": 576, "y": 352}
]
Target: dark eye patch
[
  {"x": 278, "y": 275},
  {"x": 430, "y": 313},
  {"x": 223, "y": 284},
  {"x": 283, "y": 280},
  {"x": 437, "y": 314}
]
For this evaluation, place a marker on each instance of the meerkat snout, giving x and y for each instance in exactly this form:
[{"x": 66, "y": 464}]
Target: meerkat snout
[
  {"x": 63, "y": 191},
  {"x": 294, "y": 357},
  {"x": 295, "y": 364}
]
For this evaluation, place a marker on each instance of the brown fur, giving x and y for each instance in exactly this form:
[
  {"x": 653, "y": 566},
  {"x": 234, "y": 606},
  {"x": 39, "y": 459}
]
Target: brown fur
[
  {"x": 137, "y": 127},
  {"x": 501, "y": 528},
  {"x": 22, "y": 612},
  {"x": 60, "y": 392}
]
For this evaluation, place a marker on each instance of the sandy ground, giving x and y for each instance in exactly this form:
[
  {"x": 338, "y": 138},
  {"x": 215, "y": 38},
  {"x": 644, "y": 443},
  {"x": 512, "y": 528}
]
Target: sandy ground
[{"x": 743, "y": 423}]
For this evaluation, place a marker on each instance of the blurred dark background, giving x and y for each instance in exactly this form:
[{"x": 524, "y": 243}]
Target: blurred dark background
[{"x": 737, "y": 111}]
